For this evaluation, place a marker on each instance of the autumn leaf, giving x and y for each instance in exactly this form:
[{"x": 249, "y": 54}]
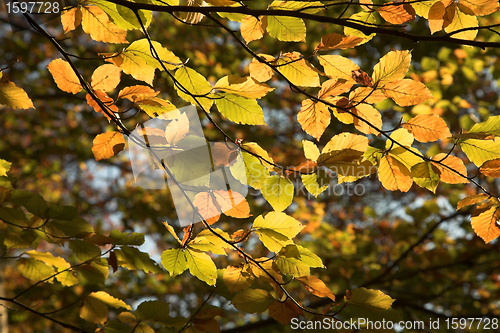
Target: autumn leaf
[
  {"x": 314, "y": 118},
  {"x": 316, "y": 287},
  {"x": 64, "y": 76},
  {"x": 240, "y": 110},
  {"x": 107, "y": 144},
  {"x": 96, "y": 23},
  {"x": 207, "y": 206},
  {"x": 394, "y": 175},
  {"x": 480, "y": 151},
  {"x": 106, "y": 77},
  {"x": 337, "y": 67},
  {"x": 391, "y": 67},
  {"x": 105, "y": 99},
  {"x": 174, "y": 261},
  {"x": 478, "y": 7},
  {"x": 427, "y": 128},
  {"x": 259, "y": 71},
  {"x": 232, "y": 204},
  {"x": 334, "y": 87},
  {"x": 334, "y": 41},
  {"x": 196, "y": 84},
  {"x": 311, "y": 151},
  {"x": 238, "y": 278},
  {"x": 371, "y": 115},
  {"x": 253, "y": 28},
  {"x": 286, "y": 29},
  {"x": 137, "y": 93},
  {"x": 407, "y": 92},
  {"x": 396, "y": 14},
  {"x": 461, "y": 21},
  {"x": 252, "y": 300},
  {"x": 484, "y": 222},
  {"x": 491, "y": 168},
  {"x": 71, "y": 19},
  {"x": 278, "y": 191},
  {"x": 454, "y": 163},
  {"x": 299, "y": 71},
  {"x": 284, "y": 312},
  {"x": 471, "y": 200},
  {"x": 14, "y": 97},
  {"x": 202, "y": 266},
  {"x": 243, "y": 86}
]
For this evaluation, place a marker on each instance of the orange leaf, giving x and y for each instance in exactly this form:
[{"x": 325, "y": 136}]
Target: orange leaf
[
  {"x": 207, "y": 207},
  {"x": 314, "y": 118},
  {"x": 107, "y": 144},
  {"x": 96, "y": 23},
  {"x": 478, "y": 7},
  {"x": 259, "y": 71},
  {"x": 232, "y": 204},
  {"x": 407, "y": 92},
  {"x": 484, "y": 222},
  {"x": 106, "y": 77},
  {"x": 369, "y": 113},
  {"x": 253, "y": 28},
  {"x": 397, "y": 14},
  {"x": 64, "y": 76},
  {"x": 71, "y": 19},
  {"x": 367, "y": 95},
  {"x": 316, "y": 287},
  {"x": 137, "y": 93},
  {"x": 108, "y": 101},
  {"x": 491, "y": 168},
  {"x": 394, "y": 175},
  {"x": 445, "y": 174},
  {"x": 336, "y": 41},
  {"x": 427, "y": 128},
  {"x": 471, "y": 200},
  {"x": 334, "y": 87}
]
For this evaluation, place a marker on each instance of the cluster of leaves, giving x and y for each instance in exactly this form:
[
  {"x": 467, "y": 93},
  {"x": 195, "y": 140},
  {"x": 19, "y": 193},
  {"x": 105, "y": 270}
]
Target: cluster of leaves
[{"x": 259, "y": 281}]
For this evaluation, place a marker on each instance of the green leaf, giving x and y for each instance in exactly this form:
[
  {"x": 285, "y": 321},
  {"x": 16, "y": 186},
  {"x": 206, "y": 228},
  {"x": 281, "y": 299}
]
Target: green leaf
[
  {"x": 240, "y": 110},
  {"x": 174, "y": 261},
  {"x": 278, "y": 222},
  {"x": 252, "y": 300},
  {"x": 142, "y": 48},
  {"x": 278, "y": 191},
  {"x": 94, "y": 274},
  {"x": 152, "y": 310},
  {"x": 490, "y": 126},
  {"x": 13, "y": 215},
  {"x": 374, "y": 300},
  {"x": 84, "y": 250},
  {"x": 196, "y": 84},
  {"x": 67, "y": 278},
  {"x": 4, "y": 167},
  {"x": 296, "y": 260},
  {"x": 424, "y": 175},
  {"x": 62, "y": 212},
  {"x": 286, "y": 29},
  {"x": 33, "y": 202},
  {"x": 480, "y": 151},
  {"x": 123, "y": 17},
  {"x": 77, "y": 227},
  {"x": 249, "y": 170},
  {"x": 20, "y": 240},
  {"x": 202, "y": 266},
  {"x": 48, "y": 259},
  {"x": 133, "y": 259},
  {"x": 34, "y": 269},
  {"x": 123, "y": 238}
]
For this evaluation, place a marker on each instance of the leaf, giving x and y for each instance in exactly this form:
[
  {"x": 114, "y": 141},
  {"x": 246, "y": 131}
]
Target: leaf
[
  {"x": 317, "y": 182},
  {"x": 490, "y": 126},
  {"x": 366, "y": 95},
  {"x": 428, "y": 128},
  {"x": 397, "y": 14},
  {"x": 14, "y": 97},
  {"x": 491, "y": 168},
  {"x": 196, "y": 84},
  {"x": 284, "y": 312},
  {"x": 370, "y": 299},
  {"x": 253, "y": 28},
  {"x": 201, "y": 265},
  {"x": 4, "y": 167},
  {"x": 337, "y": 67},
  {"x": 401, "y": 136},
  {"x": 445, "y": 174},
  {"x": 240, "y": 110},
  {"x": 424, "y": 176},
  {"x": 480, "y": 151},
  {"x": 311, "y": 151},
  {"x": 462, "y": 21},
  {"x": 243, "y": 86},
  {"x": 48, "y": 259},
  {"x": 334, "y": 41},
  {"x": 391, "y": 67},
  {"x": 334, "y": 88},
  {"x": 296, "y": 261},
  {"x": 255, "y": 172},
  {"x": 367, "y": 17},
  {"x": 155, "y": 106},
  {"x": 96, "y": 23},
  {"x": 346, "y": 140},
  {"x": 95, "y": 306},
  {"x": 471, "y": 200},
  {"x": 252, "y": 300},
  {"x": 278, "y": 222},
  {"x": 34, "y": 269},
  {"x": 106, "y": 145},
  {"x": 133, "y": 259},
  {"x": 232, "y": 204},
  {"x": 207, "y": 206},
  {"x": 484, "y": 223},
  {"x": 123, "y": 17},
  {"x": 316, "y": 287},
  {"x": 238, "y": 278},
  {"x": 71, "y": 19},
  {"x": 261, "y": 72},
  {"x": 407, "y": 92},
  {"x": 479, "y": 7},
  {"x": 106, "y": 77},
  {"x": 278, "y": 191},
  {"x": 153, "y": 310},
  {"x": 394, "y": 175},
  {"x": 299, "y": 71},
  {"x": 174, "y": 261},
  {"x": 286, "y": 29},
  {"x": 84, "y": 250},
  {"x": 370, "y": 114},
  {"x": 314, "y": 118},
  {"x": 64, "y": 76},
  {"x": 105, "y": 99},
  {"x": 177, "y": 129},
  {"x": 138, "y": 92}
]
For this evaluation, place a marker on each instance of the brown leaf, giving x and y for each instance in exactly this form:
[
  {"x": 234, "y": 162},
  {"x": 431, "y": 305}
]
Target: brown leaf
[{"x": 361, "y": 77}]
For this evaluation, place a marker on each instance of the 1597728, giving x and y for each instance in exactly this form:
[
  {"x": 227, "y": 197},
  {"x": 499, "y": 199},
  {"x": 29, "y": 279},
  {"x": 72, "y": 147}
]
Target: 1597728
[{"x": 32, "y": 7}]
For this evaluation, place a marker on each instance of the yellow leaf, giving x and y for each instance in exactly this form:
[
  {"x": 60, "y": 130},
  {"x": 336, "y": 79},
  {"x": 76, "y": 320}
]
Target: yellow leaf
[
  {"x": 278, "y": 191},
  {"x": 471, "y": 200},
  {"x": 337, "y": 67},
  {"x": 368, "y": 17},
  {"x": 71, "y": 19},
  {"x": 96, "y": 23},
  {"x": 391, "y": 67},
  {"x": 401, "y": 136},
  {"x": 299, "y": 72},
  {"x": 286, "y": 29},
  {"x": 491, "y": 168},
  {"x": 334, "y": 41},
  {"x": 346, "y": 141},
  {"x": 366, "y": 95},
  {"x": 14, "y": 97},
  {"x": 202, "y": 266},
  {"x": 394, "y": 175},
  {"x": 407, "y": 92},
  {"x": 478, "y": 7},
  {"x": 396, "y": 14},
  {"x": 137, "y": 93},
  {"x": 316, "y": 287},
  {"x": 311, "y": 151},
  {"x": 484, "y": 223},
  {"x": 314, "y": 118},
  {"x": 107, "y": 144},
  {"x": 422, "y": 8},
  {"x": 278, "y": 222},
  {"x": 428, "y": 128},
  {"x": 49, "y": 259},
  {"x": 370, "y": 114},
  {"x": 424, "y": 176},
  {"x": 240, "y": 110},
  {"x": 334, "y": 87},
  {"x": 253, "y": 28},
  {"x": 259, "y": 151},
  {"x": 480, "y": 151},
  {"x": 207, "y": 207},
  {"x": 445, "y": 174},
  {"x": 174, "y": 261},
  {"x": 196, "y": 84},
  {"x": 64, "y": 76},
  {"x": 154, "y": 106},
  {"x": 260, "y": 71},
  {"x": 106, "y": 77},
  {"x": 243, "y": 86},
  {"x": 461, "y": 21},
  {"x": 177, "y": 129},
  {"x": 95, "y": 307},
  {"x": 370, "y": 299},
  {"x": 440, "y": 15},
  {"x": 238, "y": 278}
]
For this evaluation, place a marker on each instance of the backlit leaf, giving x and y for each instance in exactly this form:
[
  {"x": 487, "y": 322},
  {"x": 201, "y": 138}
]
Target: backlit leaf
[
  {"x": 253, "y": 28},
  {"x": 240, "y": 110},
  {"x": 280, "y": 223},
  {"x": 278, "y": 191},
  {"x": 337, "y": 67},
  {"x": 71, "y": 19},
  {"x": 252, "y": 300},
  {"x": 394, "y": 175},
  {"x": 316, "y": 287},
  {"x": 105, "y": 99},
  {"x": 196, "y": 84},
  {"x": 202, "y": 266},
  {"x": 207, "y": 206},
  {"x": 243, "y": 86},
  {"x": 391, "y": 67},
  {"x": 64, "y": 76},
  {"x": 232, "y": 204},
  {"x": 138, "y": 92},
  {"x": 238, "y": 278},
  {"x": 107, "y": 144},
  {"x": 454, "y": 163},
  {"x": 396, "y": 14},
  {"x": 334, "y": 41},
  {"x": 106, "y": 77},
  {"x": 14, "y": 97},
  {"x": 424, "y": 176},
  {"x": 260, "y": 71},
  {"x": 484, "y": 222},
  {"x": 371, "y": 299},
  {"x": 427, "y": 127},
  {"x": 286, "y": 29},
  {"x": 368, "y": 17},
  {"x": 471, "y": 200},
  {"x": 174, "y": 261},
  {"x": 314, "y": 118},
  {"x": 34, "y": 269},
  {"x": 370, "y": 114},
  {"x": 96, "y": 23},
  {"x": 462, "y": 21},
  {"x": 480, "y": 151},
  {"x": 299, "y": 72},
  {"x": 311, "y": 151},
  {"x": 491, "y": 168},
  {"x": 284, "y": 312},
  {"x": 407, "y": 92},
  {"x": 490, "y": 126},
  {"x": 479, "y": 7}
]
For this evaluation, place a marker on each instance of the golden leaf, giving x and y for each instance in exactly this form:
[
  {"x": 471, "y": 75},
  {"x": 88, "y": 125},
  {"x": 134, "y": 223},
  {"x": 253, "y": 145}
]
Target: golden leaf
[
  {"x": 428, "y": 128},
  {"x": 484, "y": 222},
  {"x": 337, "y": 67},
  {"x": 334, "y": 41},
  {"x": 397, "y": 14},
  {"x": 391, "y": 67},
  {"x": 106, "y": 77},
  {"x": 107, "y": 144},
  {"x": 253, "y": 28},
  {"x": 407, "y": 92},
  {"x": 445, "y": 174},
  {"x": 314, "y": 118},
  {"x": 394, "y": 175},
  {"x": 96, "y": 23},
  {"x": 64, "y": 76}
]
